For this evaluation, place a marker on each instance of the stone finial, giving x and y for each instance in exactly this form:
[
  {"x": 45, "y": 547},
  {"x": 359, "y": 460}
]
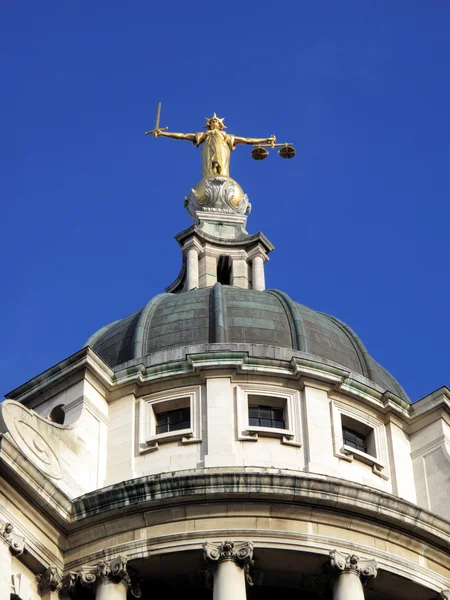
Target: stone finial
[
  {"x": 49, "y": 580},
  {"x": 239, "y": 552},
  {"x": 365, "y": 569},
  {"x": 15, "y": 542}
]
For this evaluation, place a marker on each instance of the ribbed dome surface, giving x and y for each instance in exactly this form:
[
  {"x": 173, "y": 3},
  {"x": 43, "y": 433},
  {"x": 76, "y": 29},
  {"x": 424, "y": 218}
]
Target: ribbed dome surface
[{"x": 229, "y": 314}]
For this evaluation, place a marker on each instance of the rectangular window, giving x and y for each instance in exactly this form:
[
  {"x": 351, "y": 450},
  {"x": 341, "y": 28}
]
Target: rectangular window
[
  {"x": 265, "y": 416},
  {"x": 354, "y": 439},
  {"x": 173, "y": 420}
]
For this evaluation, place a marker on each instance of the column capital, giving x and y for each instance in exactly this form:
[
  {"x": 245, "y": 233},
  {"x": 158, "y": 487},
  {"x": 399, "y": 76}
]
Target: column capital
[
  {"x": 116, "y": 570},
  {"x": 15, "y": 542},
  {"x": 365, "y": 569},
  {"x": 50, "y": 579},
  {"x": 239, "y": 552},
  {"x": 68, "y": 583}
]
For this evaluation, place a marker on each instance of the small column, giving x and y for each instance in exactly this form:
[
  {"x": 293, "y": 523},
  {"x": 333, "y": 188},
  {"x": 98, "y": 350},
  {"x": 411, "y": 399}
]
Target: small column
[
  {"x": 352, "y": 572},
  {"x": 192, "y": 268},
  {"x": 111, "y": 580},
  {"x": 10, "y": 544},
  {"x": 230, "y": 563},
  {"x": 259, "y": 282}
]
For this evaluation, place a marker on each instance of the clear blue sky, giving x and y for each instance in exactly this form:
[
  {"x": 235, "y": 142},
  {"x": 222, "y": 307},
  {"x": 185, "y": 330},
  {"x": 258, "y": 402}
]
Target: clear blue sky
[{"x": 360, "y": 217}]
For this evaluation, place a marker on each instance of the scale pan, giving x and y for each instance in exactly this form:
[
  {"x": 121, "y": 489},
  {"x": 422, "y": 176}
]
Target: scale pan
[
  {"x": 287, "y": 152},
  {"x": 259, "y": 153}
]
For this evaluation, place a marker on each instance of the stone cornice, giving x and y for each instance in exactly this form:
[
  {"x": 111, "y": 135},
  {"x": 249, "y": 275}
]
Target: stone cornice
[
  {"x": 273, "y": 485},
  {"x": 84, "y": 359},
  {"x": 180, "y": 362}
]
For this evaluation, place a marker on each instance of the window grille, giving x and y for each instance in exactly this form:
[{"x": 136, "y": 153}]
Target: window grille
[
  {"x": 266, "y": 416},
  {"x": 354, "y": 439},
  {"x": 173, "y": 420}
]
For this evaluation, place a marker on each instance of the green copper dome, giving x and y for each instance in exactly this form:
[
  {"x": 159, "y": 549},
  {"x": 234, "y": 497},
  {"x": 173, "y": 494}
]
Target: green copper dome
[{"x": 224, "y": 314}]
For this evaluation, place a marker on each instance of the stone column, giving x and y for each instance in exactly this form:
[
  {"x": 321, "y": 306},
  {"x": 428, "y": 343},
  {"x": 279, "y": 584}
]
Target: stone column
[
  {"x": 352, "y": 572},
  {"x": 192, "y": 268},
  {"x": 258, "y": 279},
  {"x": 10, "y": 543},
  {"x": 110, "y": 580},
  {"x": 230, "y": 563}
]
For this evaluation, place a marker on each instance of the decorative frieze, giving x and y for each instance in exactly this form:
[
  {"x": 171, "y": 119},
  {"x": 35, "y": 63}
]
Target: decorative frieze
[
  {"x": 15, "y": 542},
  {"x": 365, "y": 569}
]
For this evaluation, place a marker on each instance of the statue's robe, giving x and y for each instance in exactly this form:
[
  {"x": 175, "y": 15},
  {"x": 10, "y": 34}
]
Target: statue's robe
[{"x": 216, "y": 147}]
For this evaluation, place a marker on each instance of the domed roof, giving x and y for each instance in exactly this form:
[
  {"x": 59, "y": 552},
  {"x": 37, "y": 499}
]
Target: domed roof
[{"x": 228, "y": 314}]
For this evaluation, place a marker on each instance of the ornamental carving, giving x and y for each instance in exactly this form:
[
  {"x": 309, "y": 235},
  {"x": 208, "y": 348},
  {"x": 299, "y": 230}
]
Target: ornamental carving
[
  {"x": 239, "y": 552},
  {"x": 49, "y": 580},
  {"x": 15, "y": 542},
  {"x": 365, "y": 569},
  {"x": 23, "y": 425},
  {"x": 217, "y": 194},
  {"x": 116, "y": 570}
]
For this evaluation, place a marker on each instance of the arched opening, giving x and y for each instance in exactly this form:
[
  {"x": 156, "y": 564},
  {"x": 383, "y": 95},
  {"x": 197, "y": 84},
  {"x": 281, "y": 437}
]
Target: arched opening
[
  {"x": 224, "y": 270},
  {"x": 58, "y": 415}
]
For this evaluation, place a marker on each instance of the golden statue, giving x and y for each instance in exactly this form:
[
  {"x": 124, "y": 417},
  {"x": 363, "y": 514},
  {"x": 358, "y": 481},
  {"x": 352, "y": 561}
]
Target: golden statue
[{"x": 216, "y": 144}]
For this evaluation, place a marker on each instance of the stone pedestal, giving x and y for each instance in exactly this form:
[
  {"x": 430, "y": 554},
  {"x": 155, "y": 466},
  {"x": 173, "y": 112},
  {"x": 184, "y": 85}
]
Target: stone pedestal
[
  {"x": 230, "y": 563},
  {"x": 352, "y": 572}
]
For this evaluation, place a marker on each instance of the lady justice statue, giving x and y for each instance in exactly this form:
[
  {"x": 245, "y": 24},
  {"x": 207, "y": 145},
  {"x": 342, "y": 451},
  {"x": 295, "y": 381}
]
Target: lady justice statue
[
  {"x": 216, "y": 144},
  {"x": 217, "y": 191}
]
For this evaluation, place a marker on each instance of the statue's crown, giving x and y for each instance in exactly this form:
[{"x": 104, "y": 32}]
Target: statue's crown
[{"x": 215, "y": 118}]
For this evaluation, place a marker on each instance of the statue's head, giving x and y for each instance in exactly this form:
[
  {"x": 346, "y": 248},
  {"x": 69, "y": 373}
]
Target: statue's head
[{"x": 214, "y": 122}]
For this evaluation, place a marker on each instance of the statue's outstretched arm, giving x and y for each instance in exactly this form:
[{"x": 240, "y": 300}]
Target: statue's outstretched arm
[
  {"x": 252, "y": 141},
  {"x": 176, "y": 136}
]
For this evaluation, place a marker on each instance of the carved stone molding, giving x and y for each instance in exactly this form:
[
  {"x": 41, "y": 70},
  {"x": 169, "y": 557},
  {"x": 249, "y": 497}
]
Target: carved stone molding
[
  {"x": 239, "y": 552},
  {"x": 365, "y": 569},
  {"x": 217, "y": 194},
  {"x": 49, "y": 580},
  {"x": 15, "y": 542},
  {"x": 116, "y": 570}
]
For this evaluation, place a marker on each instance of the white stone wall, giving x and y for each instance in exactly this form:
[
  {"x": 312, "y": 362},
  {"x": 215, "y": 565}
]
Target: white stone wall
[{"x": 107, "y": 436}]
